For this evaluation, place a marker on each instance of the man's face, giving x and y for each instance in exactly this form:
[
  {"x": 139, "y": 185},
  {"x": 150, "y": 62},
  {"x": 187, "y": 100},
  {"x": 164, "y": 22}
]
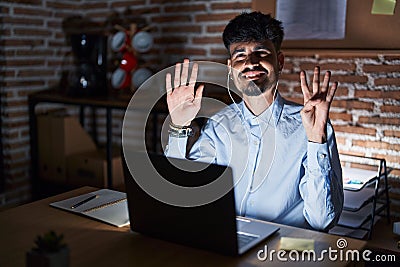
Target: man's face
[{"x": 256, "y": 66}]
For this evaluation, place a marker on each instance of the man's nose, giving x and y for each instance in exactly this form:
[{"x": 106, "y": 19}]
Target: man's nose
[{"x": 253, "y": 59}]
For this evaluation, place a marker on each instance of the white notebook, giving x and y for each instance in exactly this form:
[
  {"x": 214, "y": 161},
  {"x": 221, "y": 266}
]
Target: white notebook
[
  {"x": 355, "y": 179},
  {"x": 106, "y": 205}
]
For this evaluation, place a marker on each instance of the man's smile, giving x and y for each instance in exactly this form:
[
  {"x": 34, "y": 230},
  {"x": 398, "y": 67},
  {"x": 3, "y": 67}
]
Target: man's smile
[{"x": 252, "y": 75}]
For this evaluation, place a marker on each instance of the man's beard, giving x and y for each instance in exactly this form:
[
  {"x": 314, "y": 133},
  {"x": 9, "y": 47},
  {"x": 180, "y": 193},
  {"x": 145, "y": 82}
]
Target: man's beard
[
  {"x": 257, "y": 87},
  {"x": 252, "y": 89}
]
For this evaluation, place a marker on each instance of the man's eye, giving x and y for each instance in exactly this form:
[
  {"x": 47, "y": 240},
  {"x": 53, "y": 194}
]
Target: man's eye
[
  {"x": 262, "y": 54},
  {"x": 240, "y": 57}
]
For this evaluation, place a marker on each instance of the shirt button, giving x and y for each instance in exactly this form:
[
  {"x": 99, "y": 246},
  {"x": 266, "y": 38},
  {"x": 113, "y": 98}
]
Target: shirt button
[
  {"x": 322, "y": 156},
  {"x": 255, "y": 143}
]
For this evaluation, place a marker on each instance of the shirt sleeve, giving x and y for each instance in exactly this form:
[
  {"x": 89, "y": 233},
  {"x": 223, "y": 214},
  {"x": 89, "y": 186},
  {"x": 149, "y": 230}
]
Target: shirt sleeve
[
  {"x": 202, "y": 150},
  {"x": 176, "y": 147},
  {"x": 321, "y": 187}
]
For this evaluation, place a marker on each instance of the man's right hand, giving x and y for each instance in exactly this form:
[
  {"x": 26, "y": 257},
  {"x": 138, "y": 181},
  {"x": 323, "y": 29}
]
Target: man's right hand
[{"x": 183, "y": 101}]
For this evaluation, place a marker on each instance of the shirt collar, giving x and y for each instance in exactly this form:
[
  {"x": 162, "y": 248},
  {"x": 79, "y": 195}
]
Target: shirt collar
[{"x": 276, "y": 108}]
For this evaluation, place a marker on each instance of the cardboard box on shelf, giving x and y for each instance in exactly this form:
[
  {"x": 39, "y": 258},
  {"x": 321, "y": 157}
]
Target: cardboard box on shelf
[
  {"x": 59, "y": 135},
  {"x": 90, "y": 168}
]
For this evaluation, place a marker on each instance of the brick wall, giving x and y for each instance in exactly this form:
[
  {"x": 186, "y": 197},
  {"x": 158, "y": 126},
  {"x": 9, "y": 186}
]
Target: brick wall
[
  {"x": 365, "y": 113},
  {"x": 32, "y": 50}
]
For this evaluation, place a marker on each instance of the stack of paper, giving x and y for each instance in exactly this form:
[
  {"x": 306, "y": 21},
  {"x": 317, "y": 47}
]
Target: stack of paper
[{"x": 105, "y": 205}]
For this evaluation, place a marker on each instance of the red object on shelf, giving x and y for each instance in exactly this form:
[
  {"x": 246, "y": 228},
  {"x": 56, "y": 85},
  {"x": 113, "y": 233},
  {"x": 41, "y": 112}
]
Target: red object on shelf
[{"x": 128, "y": 62}]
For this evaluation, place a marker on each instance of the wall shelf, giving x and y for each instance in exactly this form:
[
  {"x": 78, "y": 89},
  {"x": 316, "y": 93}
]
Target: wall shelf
[{"x": 107, "y": 102}]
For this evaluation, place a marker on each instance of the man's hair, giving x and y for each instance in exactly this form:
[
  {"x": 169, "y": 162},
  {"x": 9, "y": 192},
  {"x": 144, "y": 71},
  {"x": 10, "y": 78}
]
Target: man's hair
[{"x": 253, "y": 27}]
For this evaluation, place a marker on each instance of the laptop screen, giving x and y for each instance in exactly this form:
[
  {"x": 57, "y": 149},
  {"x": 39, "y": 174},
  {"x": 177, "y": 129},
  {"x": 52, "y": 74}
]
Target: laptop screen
[{"x": 210, "y": 225}]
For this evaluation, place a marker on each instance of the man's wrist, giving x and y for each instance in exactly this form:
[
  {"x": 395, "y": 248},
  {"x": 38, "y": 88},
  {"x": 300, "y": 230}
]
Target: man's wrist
[
  {"x": 180, "y": 131},
  {"x": 317, "y": 139},
  {"x": 180, "y": 124}
]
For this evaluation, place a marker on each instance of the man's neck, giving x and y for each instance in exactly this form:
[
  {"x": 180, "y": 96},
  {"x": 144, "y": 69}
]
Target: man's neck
[{"x": 258, "y": 104}]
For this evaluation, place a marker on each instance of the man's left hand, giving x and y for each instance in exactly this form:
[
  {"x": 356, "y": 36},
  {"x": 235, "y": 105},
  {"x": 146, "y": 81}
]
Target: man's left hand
[{"x": 317, "y": 102}]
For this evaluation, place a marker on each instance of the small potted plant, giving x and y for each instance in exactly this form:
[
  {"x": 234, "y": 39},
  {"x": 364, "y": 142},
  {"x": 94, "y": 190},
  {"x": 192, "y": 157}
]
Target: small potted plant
[{"x": 50, "y": 251}]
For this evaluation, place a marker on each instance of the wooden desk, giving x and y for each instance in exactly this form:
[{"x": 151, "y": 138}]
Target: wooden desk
[
  {"x": 96, "y": 244},
  {"x": 383, "y": 238}
]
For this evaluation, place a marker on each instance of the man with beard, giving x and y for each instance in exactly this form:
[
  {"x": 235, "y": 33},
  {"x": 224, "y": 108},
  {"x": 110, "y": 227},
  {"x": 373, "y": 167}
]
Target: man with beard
[{"x": 283, "y": 155}]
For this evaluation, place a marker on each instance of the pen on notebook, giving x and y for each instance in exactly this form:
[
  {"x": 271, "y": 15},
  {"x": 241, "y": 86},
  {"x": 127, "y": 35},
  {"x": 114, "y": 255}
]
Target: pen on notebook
[{"x": 83, "y": 201}]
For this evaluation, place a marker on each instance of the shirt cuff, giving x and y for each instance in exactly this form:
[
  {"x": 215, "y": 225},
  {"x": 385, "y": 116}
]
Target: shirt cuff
[
  {"x": 176, "y": 147},
  {"x": 318, "y": 158}
]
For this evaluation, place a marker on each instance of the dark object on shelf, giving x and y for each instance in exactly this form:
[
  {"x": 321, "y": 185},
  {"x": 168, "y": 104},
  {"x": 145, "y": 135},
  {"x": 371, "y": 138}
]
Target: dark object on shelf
[{"x": 89, "y": 76}]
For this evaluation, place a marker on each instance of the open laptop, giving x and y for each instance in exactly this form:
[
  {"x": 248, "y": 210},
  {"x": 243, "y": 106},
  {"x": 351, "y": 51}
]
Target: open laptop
[{"x": 213, "y": 226}]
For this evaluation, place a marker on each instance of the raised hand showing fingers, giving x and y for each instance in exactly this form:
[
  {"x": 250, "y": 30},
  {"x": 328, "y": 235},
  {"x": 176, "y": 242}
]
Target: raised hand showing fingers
[
  {"x": 319, "y": 92},
  {"x": 184, "y": 101},
  {"x": 317, "y": 102}
]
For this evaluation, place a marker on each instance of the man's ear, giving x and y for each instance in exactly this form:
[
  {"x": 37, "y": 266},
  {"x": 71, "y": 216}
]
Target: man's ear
[
  {"x": 281, "y": 60},
  {"x": 229, "y": 63}
]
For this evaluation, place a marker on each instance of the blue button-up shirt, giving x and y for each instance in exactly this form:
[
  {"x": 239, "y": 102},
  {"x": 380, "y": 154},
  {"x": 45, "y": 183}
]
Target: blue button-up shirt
[{"x": 279, "y": 175}]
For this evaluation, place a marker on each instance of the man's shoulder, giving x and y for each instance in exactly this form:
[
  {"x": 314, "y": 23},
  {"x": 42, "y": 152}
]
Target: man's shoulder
[
  {"x": 291, "y": 110},
  {"x": 226, "y": 114},
  {"x": 291, "y": 107}
]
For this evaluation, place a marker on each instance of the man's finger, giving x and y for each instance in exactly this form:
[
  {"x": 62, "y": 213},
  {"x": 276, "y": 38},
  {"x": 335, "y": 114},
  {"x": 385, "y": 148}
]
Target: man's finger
[
  {"x": 193, "y": 76},
  {"x": 331, "y": 93},
  {"x": 304, "y": 86},
  {"x": 177, "y": 78},
  {"x": 325, "y": 84},
  {"x": 315, "y": 88},
  {"x": 199, "y": 94},
  {"x": 185, "y": 71},
  {"x": 310, "y": 105},
  {"x": 168, "y": 83},
  {"x": 307, "y": 107}
]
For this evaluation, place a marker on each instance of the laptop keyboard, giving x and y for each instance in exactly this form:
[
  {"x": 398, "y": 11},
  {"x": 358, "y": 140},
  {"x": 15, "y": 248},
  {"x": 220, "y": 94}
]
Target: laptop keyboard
[{"x": 244, "y": 239}]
